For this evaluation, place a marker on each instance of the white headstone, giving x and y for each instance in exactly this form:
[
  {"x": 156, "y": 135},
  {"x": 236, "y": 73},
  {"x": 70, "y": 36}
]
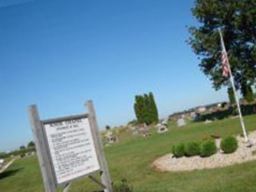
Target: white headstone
[
  {"x": 165, "y": 122},
  {"x": 181, "y": 122},
  {"x": 207, "y": 121},
  {"x": 161, "y": 128},
  {"x": 110, "y": 137}
]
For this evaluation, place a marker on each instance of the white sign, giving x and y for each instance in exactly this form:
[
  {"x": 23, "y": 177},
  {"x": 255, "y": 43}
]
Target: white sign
[{"x": 72, "y": 149}]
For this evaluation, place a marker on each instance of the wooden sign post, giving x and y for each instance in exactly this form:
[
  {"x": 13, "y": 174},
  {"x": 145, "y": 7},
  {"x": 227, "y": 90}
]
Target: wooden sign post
[{"x": 69, "y": 148}]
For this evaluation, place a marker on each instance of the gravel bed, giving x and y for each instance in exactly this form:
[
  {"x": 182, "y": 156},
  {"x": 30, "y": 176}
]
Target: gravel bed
[{"x": 243, "y": 154}]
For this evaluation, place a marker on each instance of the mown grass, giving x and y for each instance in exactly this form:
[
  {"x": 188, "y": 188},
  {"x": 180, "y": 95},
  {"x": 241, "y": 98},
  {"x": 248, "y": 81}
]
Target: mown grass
[{"x": 131, "y": 159}]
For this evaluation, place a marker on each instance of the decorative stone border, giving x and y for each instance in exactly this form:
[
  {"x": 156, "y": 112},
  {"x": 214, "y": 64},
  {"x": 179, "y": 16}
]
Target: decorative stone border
[{"x": 243, "y": 154}]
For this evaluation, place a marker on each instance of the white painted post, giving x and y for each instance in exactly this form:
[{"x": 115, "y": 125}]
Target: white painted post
[
  {"x": 105, "y": 176},
  {"x": 44, "y": 159}
]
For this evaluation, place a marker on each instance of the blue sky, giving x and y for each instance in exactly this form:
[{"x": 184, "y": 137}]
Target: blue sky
[{"x": 59, "y": 53}]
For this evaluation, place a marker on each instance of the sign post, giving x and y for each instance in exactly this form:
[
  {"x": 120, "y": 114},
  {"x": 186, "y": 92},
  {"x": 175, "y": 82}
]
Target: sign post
[
  {"x": 69, "y": 148},
  {"x": 105, "y": 176},
  {"x": 44, "y": 161}
]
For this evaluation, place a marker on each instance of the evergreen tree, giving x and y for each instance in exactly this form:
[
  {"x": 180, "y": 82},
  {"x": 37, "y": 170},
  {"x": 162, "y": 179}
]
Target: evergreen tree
[
  {"x": 147, "y": 112},
  {"x": 154, "y": 111},
  {"x": 145, "y": 109},
  {"x": 138, "y": 108}
]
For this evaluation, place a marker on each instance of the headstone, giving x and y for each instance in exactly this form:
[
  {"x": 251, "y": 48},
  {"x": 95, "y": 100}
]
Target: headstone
[
  {"x": 161, "y": 128},
  {"x": 207, "y": 121},
  {"x": 135, "y": 132},
  {"x": 181, "y": 122},
  {"x": 143, "y": 130},
  {"x": 193, "y": 115},
  {"x": 110, "y": 137},
  {"x": 201, "y": 109},
  {"x": 165, "y": 122},
  {"x": 131, "y": 127}
]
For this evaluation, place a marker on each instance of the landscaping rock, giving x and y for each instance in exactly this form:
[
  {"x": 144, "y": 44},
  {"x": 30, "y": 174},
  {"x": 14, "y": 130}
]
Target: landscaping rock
[{"x": 242, "y": 154}]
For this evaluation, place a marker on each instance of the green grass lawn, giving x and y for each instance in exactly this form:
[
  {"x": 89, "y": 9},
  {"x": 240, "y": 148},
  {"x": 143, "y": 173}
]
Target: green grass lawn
[{"x": 132, "y": 157}]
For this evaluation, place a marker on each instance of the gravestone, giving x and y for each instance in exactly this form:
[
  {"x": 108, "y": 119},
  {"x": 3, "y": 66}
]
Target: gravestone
[
  {"x": 135, "y": 132},
  {"x": 181, "y": 122},
  {"x": 143, "y": 130},
  {"x": 110, "y": 137},
  {"x": 161, "y": 128},
  {"x": 207, "y": 121},
  {"x": 165, "y": 122}
]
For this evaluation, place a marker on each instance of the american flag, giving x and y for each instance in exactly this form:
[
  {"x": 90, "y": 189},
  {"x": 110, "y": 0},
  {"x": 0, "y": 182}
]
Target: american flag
[
  {"x": 226, "y": 72},
  {"x": 224, "y": 61}
]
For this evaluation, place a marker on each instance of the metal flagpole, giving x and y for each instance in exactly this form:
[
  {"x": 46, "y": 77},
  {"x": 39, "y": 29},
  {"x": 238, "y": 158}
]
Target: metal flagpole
[{"x": 234, "y": 89}]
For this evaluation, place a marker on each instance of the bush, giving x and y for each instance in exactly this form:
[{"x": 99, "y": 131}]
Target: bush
[
  {"x": 122, "y": 186},
  {"x": 178, "y": 150},
  {"x": 247, "y": 109},
  {"x": 192, "y": 149},
  {"x": 208, "y": 148},
  {"x": 229, "y": 144},
  {"x": 3, "y": 155}
]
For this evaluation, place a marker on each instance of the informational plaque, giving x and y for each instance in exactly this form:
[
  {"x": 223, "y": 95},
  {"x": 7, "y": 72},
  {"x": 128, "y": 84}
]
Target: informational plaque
[{"x": 72, "y": 148}]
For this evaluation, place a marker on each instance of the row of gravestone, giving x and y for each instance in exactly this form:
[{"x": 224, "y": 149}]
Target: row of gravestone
[{"x": 143, "y": 130}]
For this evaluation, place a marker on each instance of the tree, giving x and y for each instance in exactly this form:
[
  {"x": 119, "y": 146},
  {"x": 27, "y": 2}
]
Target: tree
[
  {"x": 231, "y": 96},
  {"x": 31, "y": 144},
  {"x": 108, "y": 127},
  {"x": 153, "y": 107},
  {"x": 145, "y": 109},
  {"x": 3, "y": 155},
  {"x": 247, "y": 93},
  {"x": 138, "y": 108},
  {"x": 237, "y": 20},
  {"x": 22, "y": 147}
]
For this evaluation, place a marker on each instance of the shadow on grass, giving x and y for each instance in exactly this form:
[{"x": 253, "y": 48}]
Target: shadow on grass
[{"x": 9, "y": 173}]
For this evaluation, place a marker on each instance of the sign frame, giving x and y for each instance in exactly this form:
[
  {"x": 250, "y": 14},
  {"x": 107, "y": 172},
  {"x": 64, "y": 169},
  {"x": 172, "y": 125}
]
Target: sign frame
[
  {"x": 61, "y": 119},
  {"x": 45, "y": 158}
]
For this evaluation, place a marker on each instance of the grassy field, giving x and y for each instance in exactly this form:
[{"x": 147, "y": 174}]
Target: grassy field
[{"x": 132, "y": 157}]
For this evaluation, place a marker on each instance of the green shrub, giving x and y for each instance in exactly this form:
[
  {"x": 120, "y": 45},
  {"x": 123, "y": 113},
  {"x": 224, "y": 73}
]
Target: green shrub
[
  {"x": 208, "y": 148},
  {"x": 122, "y": 186},
  {"x": 229, "y": 144},
  {"x": 247, "y": 109},
  {"x": 192, "y": 149},
  {"x": 3, "y": 155},
  {"x": 178, "y": 150}
]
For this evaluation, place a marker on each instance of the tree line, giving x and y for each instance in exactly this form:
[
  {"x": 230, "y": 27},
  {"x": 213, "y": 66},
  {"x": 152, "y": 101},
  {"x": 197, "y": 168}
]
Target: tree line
[{"x": 21, "y": 151}]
